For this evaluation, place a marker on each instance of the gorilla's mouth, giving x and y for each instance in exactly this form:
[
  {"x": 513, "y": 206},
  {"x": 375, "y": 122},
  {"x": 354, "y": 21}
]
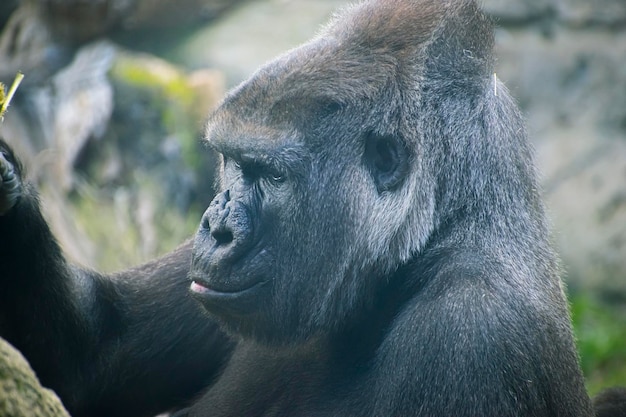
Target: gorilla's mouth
[
  {"x": 233, "y": 302},
  {"x": 201, "y": 289}
]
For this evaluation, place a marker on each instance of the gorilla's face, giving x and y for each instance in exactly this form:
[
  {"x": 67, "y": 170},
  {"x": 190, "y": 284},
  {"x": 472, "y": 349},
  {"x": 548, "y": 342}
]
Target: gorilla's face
[
  {"x": 245, "y": 250},
  {"x": 283, "y": 250},
  {"x": 312, "y": 203},
  {"x": 275, "y": 243}
]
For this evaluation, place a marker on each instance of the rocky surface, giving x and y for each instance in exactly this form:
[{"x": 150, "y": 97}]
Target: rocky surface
[
  {"x": 21, "y": 394},
  {"x": 112, "y": 139},
  {"x": 564, "y": 62}
]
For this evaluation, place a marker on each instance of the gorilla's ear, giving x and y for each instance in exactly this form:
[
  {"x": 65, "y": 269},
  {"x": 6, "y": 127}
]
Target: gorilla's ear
[{"x": 387, "y": 159}]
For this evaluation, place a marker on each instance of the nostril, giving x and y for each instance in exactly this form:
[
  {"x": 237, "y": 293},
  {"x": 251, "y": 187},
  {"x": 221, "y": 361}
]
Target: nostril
[
  {"x": 204, "y": 223},
  {"x": 222, "y": 237}
]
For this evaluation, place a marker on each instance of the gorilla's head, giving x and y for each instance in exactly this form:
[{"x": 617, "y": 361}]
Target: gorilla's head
[{"x": 331, "y": 168}]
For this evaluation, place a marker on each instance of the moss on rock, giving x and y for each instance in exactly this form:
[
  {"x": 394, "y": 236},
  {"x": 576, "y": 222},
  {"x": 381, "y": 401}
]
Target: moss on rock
[{"x": 21, "y": 394}]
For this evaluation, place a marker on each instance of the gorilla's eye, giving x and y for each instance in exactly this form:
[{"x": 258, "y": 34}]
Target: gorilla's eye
[
  {"x": 276, "y": 177},
  {"x": 384, "y": 156},
  {"x": 252, "y": 171},
  {"x": 328, "y": 107},
  {"x": 387, "y": 160}
]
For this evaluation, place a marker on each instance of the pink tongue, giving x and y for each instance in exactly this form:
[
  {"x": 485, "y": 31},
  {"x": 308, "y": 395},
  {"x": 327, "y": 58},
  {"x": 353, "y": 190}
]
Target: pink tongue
[{"x": 195, "y": 287}]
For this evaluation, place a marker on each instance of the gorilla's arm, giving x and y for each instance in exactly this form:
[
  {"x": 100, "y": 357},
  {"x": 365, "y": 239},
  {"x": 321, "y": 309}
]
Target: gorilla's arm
[{"x": 132, "y": 343}]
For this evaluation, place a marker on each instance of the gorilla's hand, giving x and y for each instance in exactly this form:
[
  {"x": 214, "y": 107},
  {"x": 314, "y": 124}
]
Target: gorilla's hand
[{"x": 10, "y": 179}]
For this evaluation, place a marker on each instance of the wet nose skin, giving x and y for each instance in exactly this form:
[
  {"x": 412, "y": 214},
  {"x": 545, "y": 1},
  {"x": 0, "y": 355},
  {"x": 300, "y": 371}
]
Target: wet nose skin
[
  {"x": 215, "y": 219},
  {"x": 226, "y": 227}
]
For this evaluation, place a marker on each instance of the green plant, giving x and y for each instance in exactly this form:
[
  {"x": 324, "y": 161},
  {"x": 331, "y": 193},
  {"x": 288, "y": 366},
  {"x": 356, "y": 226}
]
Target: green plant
[
  {"x": 601, "y": 333},
  {"x": 5, "y": 97}
]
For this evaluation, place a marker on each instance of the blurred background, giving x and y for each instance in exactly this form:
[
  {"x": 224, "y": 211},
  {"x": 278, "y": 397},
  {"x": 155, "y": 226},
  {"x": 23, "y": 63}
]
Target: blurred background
[{"x": 108, "y": 117}]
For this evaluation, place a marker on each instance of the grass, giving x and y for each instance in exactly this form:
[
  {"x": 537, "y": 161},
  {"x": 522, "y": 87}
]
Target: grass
[
  {"x": 111, "y": 222},
  {"x": 601, "y": 333},
  {"x": 6, "y": 96}
]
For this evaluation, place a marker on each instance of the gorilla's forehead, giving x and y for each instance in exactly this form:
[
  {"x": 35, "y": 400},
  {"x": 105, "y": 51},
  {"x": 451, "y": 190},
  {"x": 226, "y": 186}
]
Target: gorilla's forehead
[
  {"x": 284, "y": 100},
  {"x": 294, "y": 84},
  {"x": 293, "y": 93},
  {"x": 230, "y": 134},
  {"x": 350, "y": 63}
]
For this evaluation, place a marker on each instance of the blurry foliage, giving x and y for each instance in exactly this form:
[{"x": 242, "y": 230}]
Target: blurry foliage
[
  {"x": 140, "y": 190},
  {"x": 167, "y": 91},
  {"x": 111, "y": 221},
  {"x": 601, "y": 334}
]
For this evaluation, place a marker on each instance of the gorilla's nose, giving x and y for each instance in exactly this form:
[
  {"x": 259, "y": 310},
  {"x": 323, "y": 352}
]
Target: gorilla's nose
[{"x": 216, "y": 219}]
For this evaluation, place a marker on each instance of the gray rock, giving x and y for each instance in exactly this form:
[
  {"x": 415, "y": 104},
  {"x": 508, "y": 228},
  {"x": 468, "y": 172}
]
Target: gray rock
[
  {"x": 572, "y": 87},
  {"x": 76, "y": 106},
  {"x": 567, "y": 79},
  {"x": 517, "y": 10},
  {"x": 585, "y": 188},
  {"x": 254, "y": 33},
  {"x": 120, "y": 131},
  {"x": 78, "y": 21},
  {"x": 584, "y": 12},
  {"x": 576, "y": 13},
  {"x": 6, "y": 8}
]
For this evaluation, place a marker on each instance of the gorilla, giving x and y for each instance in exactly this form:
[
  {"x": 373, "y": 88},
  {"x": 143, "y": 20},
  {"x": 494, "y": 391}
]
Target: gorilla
[{"x": 377, "y": 247}]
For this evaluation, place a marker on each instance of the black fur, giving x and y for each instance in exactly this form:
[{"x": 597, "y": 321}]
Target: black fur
[
  {"x": 611, "y": 403},
  {"x": 377, "y": 247},
  {"x": 11, "y": 173}
]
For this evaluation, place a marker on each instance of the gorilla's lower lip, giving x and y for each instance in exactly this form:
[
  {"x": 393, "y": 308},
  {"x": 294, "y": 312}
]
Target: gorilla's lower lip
[
  {"x": 229, "y": 302},
  {"x": 201, "y": 289}
]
